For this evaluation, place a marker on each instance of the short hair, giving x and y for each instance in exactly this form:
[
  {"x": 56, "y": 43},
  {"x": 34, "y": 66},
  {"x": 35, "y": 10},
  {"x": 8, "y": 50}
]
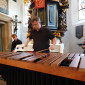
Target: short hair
[
  {"x": 35, "y": 18},
  {"x": 13, "y": 35}
]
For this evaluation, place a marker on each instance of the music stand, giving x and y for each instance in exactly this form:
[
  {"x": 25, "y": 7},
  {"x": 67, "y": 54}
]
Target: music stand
[{"x": 83, "y": 46}]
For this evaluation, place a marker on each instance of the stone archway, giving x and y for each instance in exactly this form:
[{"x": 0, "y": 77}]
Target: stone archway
[{"x": 6, "y": 32}]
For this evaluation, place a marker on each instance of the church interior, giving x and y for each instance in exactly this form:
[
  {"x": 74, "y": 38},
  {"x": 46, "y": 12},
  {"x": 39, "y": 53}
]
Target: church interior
[
  {"x": 64, "y": 65},
  {"x": 9, "y": 9}
]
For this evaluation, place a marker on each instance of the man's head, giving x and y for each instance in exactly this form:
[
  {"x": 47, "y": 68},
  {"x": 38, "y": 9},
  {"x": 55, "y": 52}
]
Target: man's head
[
  {"x": 14, "y": 36},
  {"x": 36, "y": 24}
]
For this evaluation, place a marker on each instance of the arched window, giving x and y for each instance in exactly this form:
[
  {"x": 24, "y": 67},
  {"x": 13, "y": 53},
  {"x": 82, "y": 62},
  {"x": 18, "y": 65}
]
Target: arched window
[{"x": 81, "y": 9}]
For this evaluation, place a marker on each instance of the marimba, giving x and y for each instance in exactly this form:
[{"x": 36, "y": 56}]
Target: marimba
[{"x": 25, "y": 68}]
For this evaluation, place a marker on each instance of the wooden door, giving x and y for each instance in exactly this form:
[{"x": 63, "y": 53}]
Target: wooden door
[{"x": 0, "y": 38}]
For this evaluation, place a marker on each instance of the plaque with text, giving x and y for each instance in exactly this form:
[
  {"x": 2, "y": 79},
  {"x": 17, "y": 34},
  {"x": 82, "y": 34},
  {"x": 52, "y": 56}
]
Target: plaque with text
[{"x": 79, "y": 31}]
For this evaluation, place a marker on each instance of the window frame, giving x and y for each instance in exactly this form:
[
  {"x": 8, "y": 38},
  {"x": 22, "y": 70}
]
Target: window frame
[{"x": 80, "y": 10}]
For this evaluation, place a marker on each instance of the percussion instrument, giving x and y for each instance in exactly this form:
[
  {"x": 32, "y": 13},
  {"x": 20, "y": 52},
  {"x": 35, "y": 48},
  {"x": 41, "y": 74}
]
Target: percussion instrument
[{"x": 42, "y": 68}]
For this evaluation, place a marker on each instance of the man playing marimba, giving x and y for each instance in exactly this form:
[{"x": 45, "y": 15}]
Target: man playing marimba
[{"x": 40, "y": 36}]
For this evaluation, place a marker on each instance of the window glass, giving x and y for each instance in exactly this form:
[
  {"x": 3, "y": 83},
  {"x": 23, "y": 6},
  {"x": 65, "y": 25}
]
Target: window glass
[{"x": 81, "y": 9}]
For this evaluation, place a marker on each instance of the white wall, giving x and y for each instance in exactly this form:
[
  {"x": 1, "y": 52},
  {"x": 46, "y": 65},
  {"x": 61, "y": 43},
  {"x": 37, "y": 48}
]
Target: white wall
[
  {"x": 17, "y": 8},
  {"x": 72, "y": 19}
]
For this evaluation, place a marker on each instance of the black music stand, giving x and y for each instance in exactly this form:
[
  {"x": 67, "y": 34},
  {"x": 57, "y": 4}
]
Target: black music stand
[{"x": 83, "y": 46}]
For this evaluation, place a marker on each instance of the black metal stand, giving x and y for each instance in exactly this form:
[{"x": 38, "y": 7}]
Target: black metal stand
[{"x": 83, "y": 47}]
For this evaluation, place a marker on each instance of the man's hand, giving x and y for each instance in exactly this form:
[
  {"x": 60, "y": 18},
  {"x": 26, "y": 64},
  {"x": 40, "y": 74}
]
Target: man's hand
[
  {"x": 26, "y": 44},
  {"x": 28, "y": 39},
  {"x": 13, "y": 50},
  {"x": 51, "y": 47}
]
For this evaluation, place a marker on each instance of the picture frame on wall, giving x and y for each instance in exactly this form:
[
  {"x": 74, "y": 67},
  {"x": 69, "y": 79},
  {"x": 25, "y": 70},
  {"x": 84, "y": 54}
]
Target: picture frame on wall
[
  {"x": 4, "y": 6},
  {"x": 52, "y": 16},
  {"x": 79, "y": 31}
]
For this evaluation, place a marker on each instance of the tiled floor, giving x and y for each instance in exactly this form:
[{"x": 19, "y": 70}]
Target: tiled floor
[{"x": 2, "y": 82}]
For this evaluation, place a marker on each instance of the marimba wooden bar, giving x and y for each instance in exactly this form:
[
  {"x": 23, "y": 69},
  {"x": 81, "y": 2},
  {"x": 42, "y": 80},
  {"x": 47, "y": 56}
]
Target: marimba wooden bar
[{"x": 24, "y": 68}]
